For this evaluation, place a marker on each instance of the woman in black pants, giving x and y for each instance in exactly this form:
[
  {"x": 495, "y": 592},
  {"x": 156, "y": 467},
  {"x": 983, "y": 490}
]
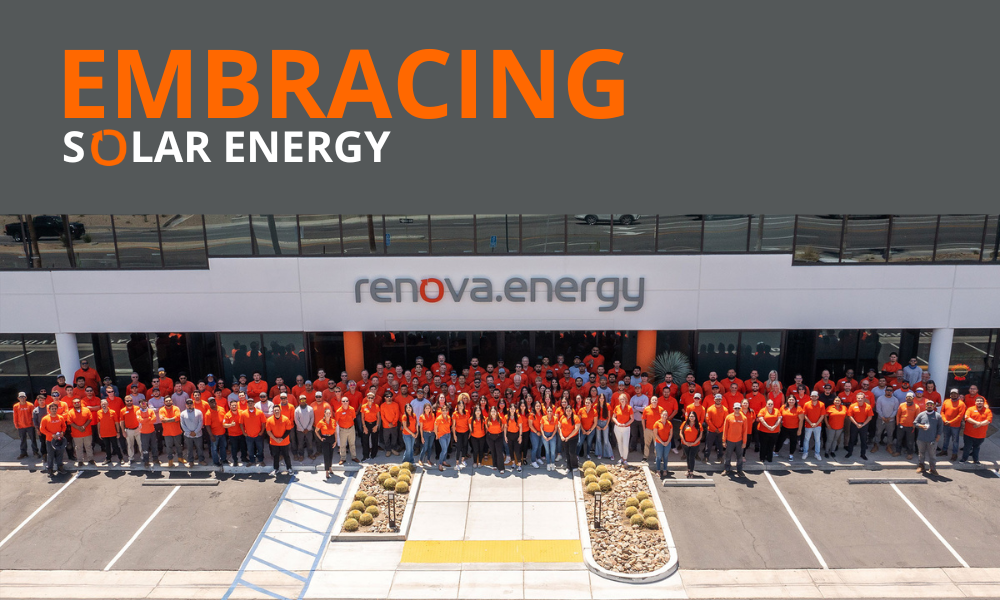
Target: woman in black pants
[
  {"x": 326, "y": 433},
  {"x": 768, "y": 424},
  {"x": 370, "y": 418},
  {"x": 691, "y": 435},
  {"x": 791, "y": 422},
  {"x": 460, "y": 421},
  {"x": 523, "y": 418},
  {"x": 478, "y": 428},
  {"x": 494, "y": 438},
  {"x": 514, "y": 435},
  {"x": 569, "y": 433}
]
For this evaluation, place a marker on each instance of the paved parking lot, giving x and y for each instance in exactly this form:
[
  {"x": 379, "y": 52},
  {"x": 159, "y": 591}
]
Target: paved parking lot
[
  {"x": 200, "y": 528},
  {"x": 743, "y": 524}
]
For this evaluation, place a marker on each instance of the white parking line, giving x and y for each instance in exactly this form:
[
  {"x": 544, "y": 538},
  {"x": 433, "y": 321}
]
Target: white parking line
[
  {"x": 796, "y": 520},
  {"x": 39, "y": 509},
  {"x": 148, "y": 521},
  {"x": 941, "y": 539}
]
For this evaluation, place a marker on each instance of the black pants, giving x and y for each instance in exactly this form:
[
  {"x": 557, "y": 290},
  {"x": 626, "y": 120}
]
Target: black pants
[
  {"x": 54, "y": 455},
  {"x": 238, "y": 443},
  {"x": 572, "y": 463},
  {"x": 109, "y": 445},
  {"x": 281, "y": 451},
  {"x": 478, "y": 450},
  {"x": 856, "y": 434},
  {"x": 768, "y": 439},
  {"x": 495, "y": 443},
  {"x": 713, "y": 439},
  {"x": 514, "y": 446},
  {"x": 158, "y": 429},
  {"x": 788, "y": 433},
  {"x": 327, "y": 446},
  {"x": 690, "y": 452},
  {"x": 369, "y": 442},
  {"x": 462, "y": 445},
  {"x": 28, "y": 432}
]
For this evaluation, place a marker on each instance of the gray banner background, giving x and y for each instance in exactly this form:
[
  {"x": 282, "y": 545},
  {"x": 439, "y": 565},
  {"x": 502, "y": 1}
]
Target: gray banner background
[{"x": 764, "y": 106}]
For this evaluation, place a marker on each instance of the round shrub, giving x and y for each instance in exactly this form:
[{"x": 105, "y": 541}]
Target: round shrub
[
  {"x": 649, "y": 512},
  {"x": 647, "y": 503},
  {"x": 389, "y": 484},
  {"x": 356, "y": 505},
  {"x": 589, "y": 479},
  {"x": 372, "y": 510},
  {"x": 589, "y": 465},
  {"x": 404, "y": 473},
  {"x": 602, "y": 469},
  {"x": 642, "y": 496},
  {"x": 632, "y": 502},
  {"x": 652, "y": 523},
  {"x": 587, "y": 472},
  {"x": 636, "y": 519},
  {"x": 408, "y": 466},
  {"x": 631, "y": 511},
  {"x": 593, "y": 487},
  {"x": 361, "y": 496},
  {"x": 605, "y": 485},
  {"x": 366, "y": 519},
  {"x": 609, "y": 477},
  {"x": 405, "y": 480},
  {"x": 354, "y": 514},
  {"x": 370, "y": 501},
  {"x": 402, "y": 487},
  {"x": 394, "y": 470},
  {"x": 351, "y": 525},
  {"x": 383, "y": 476}
]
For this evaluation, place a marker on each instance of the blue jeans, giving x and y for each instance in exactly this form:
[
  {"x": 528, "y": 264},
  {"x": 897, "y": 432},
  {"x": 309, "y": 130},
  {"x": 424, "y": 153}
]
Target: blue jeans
[
  {"x": 550, "y": 448},
  {"x": 811, "y": 433},
  {"x": 602, "y": 447},
  {"x": 536, "y": 447},
  {"x": 255, "y": 449},
  {"x": 425, "y": 450},
  {"x": 586, "y": 442},
  {"x": 218, "y": 447},
  {"x": 408, "y": 453},
  {"x": 444, "y": 440},
  {"x": 951, "y": 434},
  {"x": 660, "y": 464}
]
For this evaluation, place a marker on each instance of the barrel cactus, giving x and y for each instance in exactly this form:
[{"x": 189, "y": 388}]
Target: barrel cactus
[
  {"x": 647, "y": 503},
  {"x": 593, "y": 488},
  {"x": 370, "y": 501},
  {"x": 605, "y": 485},
  {"x": 354, "y": 514},
  {"x": 383, "y": 476},
  {"x": 372, "y": 510},
  {"x": 602, "y": 469},
  {"x": 357, "y": 505},
  {"x": 652, "y": 523},
  {"x": 351, "y": 525},
  {"x": 389, "y": 484},
  {"x": 360, "y": 496},
  {"x": 366, "y": 520},
  {"x": 588, "y": 465},
  {"x": 649, "y": 512},
  {"x": 589, "y": 479},
  {"x": 394, "y": 470},
  {"x": 632, "y": 502},
  {"x": 636, "y": 519},
  {"x": 402, "y": 487},
  {"x": 631, "y": 511},
  {"x": 642, "y": 496}
]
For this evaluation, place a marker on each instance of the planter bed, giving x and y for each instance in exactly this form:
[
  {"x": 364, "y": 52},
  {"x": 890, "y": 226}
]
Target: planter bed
[{"x": 371, "y": 487}]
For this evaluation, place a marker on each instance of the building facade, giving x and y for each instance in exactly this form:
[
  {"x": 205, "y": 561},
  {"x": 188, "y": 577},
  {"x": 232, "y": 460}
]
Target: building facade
[{"x": 287, "y": 295}]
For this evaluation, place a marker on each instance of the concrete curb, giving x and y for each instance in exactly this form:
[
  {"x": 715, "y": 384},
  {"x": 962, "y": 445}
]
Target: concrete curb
[
  {"x": 404, "y": 525},
  {"x": 588, "y": 548},
  {"x": 338, "y": 520}
]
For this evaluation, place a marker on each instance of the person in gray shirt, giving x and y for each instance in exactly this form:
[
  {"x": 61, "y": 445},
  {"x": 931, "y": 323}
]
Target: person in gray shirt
[
  {"x": 192, "y": 422},
  {"x": 638, "y": 402},
  {"x": 886, "y": 406},
  {"x": 929, "y": 427}
]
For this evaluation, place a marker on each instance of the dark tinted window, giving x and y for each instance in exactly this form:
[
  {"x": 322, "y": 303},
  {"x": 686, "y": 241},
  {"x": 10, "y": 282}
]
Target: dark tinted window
[
  {"x": 228, "y": 235},
  {"x": 498, "y": 234},
  {"x": 866, "y": 238},
  {"x": 543, "y": 234},
  {"x": 183, "y": 239},
  {"x": 960, "y": 237},
  {"x": 679, "y": 233},
  {"x": 726, "y": 233},
  {"x": 319, "y": 234},
  {"x": 817, "y": 238},
  {"x": 452, "y": 234},
  {"x": 138, "y": 242},
  {"x": 912, "y": 238}
]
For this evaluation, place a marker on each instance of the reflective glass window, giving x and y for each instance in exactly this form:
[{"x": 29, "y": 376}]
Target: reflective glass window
[
  {"x": 275, "y": 235},
  {"x": 866, "y": 238},
  {"x": 47, "y": 241},
  {"x": 912, "y": 238},
  {"x": 717, "y": 352},
  {"x": 772, "y": 233},
  {"x": 14, "y": 375},
  {"x": 406, "y": 235},
  {"x": 183, "y": 239},
  {"x": 543, "y": 234},
  {"x": 326, "y": 351},
  {"x": 817, "y": 238},
  {"x": 960, "y": 238},
  {"x": 452, "y": 234},
  {"x": 679, "y": 233},
  {"x": 497, "y": 234},
  {"x": 95, "y": 248},
  {"x": 726, "y": 233},
  {"x": 228, "y": 235},
  {"x": 138, "y": 242},
  {"x": 971, "y": 355},
  {"x": 362, "y": 234},
  {"x": 43, "y": 360},
  {"x": 636, "y": 235},
  {"x": 12, "y": 247},
  {"x": 242, "y": 354},
  {"x": 319, "y": 235},
  {"x": 589, "y": 234},
  {"x": 760, "y": 351},
  {"x": 990, "y": 246},
  {"x": 285, "y": 357}
]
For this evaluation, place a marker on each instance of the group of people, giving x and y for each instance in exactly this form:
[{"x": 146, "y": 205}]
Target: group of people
[{"x": 532, "y": 415}]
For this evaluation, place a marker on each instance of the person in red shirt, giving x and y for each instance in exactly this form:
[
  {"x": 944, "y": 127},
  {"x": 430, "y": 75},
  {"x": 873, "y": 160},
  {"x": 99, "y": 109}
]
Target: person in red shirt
[
  {"x": 370, "y": 419},
  {"x": 594, "y": 360},
  {"x": 847, "y": 378},
  {"x": 791, "y": 426},
  {"x": 279, "y": 430},
  {"x": 662, "y": 437},
  {"x": 81, "y": 430},
  {"x": 107, "y": 424},
  {"x": 859, "y": 415},
  {"x": 836, "y": 414},
  {"x": 732, "y": 397},
  {"x": 977, "y": 422},
  {"x": 90, "y": 376},
  {"x": 891, "y": 369},
  {"x": 164, "y": 383},
  {"x": 734, "y": 438},
  {"x": 706, "y": 387},
  {"x": 768, "y": 427},
  {"x": 824, "y": 380},
  {"x": 52, "y": 427},
  {"x": 813, "y": 413},
  {"x": 731, "y": 379},
  {"x": 256, "y": 387},
  {"x": 24, "y": 425},
  {"x": 390, "y": 413},
  {"x": 130, "y": 428},
  {"x": 64, "y": 389}
]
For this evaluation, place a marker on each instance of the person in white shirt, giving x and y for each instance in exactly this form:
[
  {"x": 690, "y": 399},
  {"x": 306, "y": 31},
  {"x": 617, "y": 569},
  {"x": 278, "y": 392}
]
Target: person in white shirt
[{"x": 303, "y": 440}]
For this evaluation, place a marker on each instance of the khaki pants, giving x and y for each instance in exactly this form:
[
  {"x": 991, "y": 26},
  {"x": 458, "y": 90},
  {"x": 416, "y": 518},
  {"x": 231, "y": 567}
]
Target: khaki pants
[
  {"x": 84, "y": 448},
  {"x": 647, "y": 441},
  {"x": 347, "y": 437},
  {"x": 133, "y": 443}
]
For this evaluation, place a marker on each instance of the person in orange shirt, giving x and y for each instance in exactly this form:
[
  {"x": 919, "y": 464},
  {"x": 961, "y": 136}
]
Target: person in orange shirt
[
  {"x": 389, "y": 414},
  {"x": 835, "y": 416},
  {"x": 952, "y": 414},
  {"x": 859, "y": 415},
  {"x": 650, "y": 417},
  {"x": 478, "y": 433},
  {"x": 326, "y": 433},
  {"x": 715, "y": 419},
  {"x": 24, "y": 425},
  {"x": 252, "y": 422},
  {"x": 548, "y": 427},
  {"x": 409, "y": 431},
  {"x": 426, "y": 456},
  {"x": 495, "y": 424},
  {"x": 662, "y": 436},
  {"x": 622, "y": 418},
  {"x": 90, "y": 376},
  {"x": 128, "y": 424},
  {"x": 569, "y": 434},
  {"x": 234, "y": 434},
  {"x": 80, "y": 420},
  {"x": 107, "y": 424},
  {"x": 905, "y": 433},
  {"x": 791, "y": 426},
  {"x": 148, "y": 417},
  {"x": 370, "y": 424},
  {"x": 52, "y": 427},
  {"x": 734, "y": 438},
  {"x": 691, "y": 436},
  {"x": 460, "y": 430},
  {"x": 345, "y": 417},
  {"x": 514, "y": 437},
  {"x": 813, "y": 413},
  {"x": 442, "y": 432},
  {"x": 768, "y": 427},
  {"x": 977, "y": 421},
  {"x": 588, "y": 424},
  {"x": 170, "y": 418},
  {"x": 279, "y": 433},
  {"x": 891, "y": 369},
  {"x": 215, "y": 425}
]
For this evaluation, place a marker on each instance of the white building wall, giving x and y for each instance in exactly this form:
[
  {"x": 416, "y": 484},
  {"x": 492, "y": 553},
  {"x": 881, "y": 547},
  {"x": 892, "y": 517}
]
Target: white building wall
[{"x": 681, "y": 292}]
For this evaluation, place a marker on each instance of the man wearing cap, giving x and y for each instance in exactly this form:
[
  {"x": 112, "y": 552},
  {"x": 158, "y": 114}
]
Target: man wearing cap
[
  {"x": 90, "y": 376},
  {"x": 952, "y": 414},
  {"x": 104, "y": 388},
  {"x": 166, "y": 384},
  {"x": 715, "y": 419},
  {"x": 25, "y": 427},
  {"x": 813, "y": 413},
  {"x": 977, "y": 421},
  {"x": 912, "y": 373},
  {"x": 52, "y": 427},
  {"x": 80, "y": 420},
  {"x": 192, "y": 423},
  {"x": 305, "y": 420},
  {"x": 928, "y": 426},
  {"x": 345, "y": 417},
  {"x": 61, "y": 386},
  {"x": 905, "y": 415}
]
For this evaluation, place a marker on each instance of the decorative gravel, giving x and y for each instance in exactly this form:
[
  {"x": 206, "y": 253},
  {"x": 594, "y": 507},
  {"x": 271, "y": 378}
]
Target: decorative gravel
[
  {"x": 618, "y": 545},
  {"x": 371, "y": 486}
]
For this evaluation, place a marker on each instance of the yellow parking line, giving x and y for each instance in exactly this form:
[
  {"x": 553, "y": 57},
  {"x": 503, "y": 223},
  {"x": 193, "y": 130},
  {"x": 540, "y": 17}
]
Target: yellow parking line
[{"x": 494, "y": 551}]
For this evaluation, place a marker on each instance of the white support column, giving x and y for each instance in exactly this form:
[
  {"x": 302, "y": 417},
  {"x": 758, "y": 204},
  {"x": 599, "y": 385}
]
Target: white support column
[
  {"x": 69, "y": 355},
  {"x": 940, "y": 358}
]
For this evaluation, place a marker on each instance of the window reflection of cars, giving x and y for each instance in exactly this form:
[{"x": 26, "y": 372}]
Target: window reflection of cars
[{"x": 594, "y": 219}]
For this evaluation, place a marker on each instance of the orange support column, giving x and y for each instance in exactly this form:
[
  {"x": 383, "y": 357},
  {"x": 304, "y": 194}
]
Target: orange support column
[
  {"x": 645, "y": 352},
  {"x": 354, "y": 354}
]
